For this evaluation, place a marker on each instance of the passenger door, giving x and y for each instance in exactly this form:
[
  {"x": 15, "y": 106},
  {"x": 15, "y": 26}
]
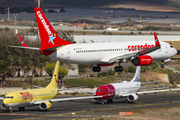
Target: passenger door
[{"x": 68, "y": 53}]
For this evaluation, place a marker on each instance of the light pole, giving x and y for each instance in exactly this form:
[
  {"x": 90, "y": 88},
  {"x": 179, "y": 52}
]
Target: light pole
[
  {"x": 15, "y": 15},
  {"x": 8, "y": 13},
  {"x": 39, "y": 3}
]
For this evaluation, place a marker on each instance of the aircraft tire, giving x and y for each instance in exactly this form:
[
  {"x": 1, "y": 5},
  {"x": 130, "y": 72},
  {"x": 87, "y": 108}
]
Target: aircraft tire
[
  {"x": 21, "y": 108},
  {"x": 110, "y": 101},
  {"x": 96, "y": 69},
  {"x": 162, "y": 65},
  {"x": 118, "y": 68}
]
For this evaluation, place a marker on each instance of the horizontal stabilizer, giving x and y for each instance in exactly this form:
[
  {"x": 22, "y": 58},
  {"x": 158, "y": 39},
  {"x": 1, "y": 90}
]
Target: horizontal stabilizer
[
  {"x": 32, "y": 48},
  {"x": 150, "y": 82}
]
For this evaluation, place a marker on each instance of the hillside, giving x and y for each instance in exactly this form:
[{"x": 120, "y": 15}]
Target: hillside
[
  {"x": 89, "y": 3},
  {"x": 142, "y": 7},
  {"x": 95, "y": 3}
]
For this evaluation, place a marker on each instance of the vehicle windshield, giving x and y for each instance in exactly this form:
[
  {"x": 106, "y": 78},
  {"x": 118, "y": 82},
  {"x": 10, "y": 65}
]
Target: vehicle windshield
[
  {"x": 9, "y": 97},
  {"x": 101, "y": 90},
  {"x": 171, "y": 45}
]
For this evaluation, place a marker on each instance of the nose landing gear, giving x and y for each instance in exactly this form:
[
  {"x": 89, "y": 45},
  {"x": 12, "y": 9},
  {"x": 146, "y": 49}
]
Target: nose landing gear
[
  {"x": 10, "y": 109},
  {"x": 162, "y": 63},
  {"x": 102, "y": 101}
]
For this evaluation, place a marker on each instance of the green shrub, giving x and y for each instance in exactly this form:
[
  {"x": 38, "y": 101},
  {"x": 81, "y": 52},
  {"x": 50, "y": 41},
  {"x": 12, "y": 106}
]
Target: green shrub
[
  {"x": 82, "y": 68},
  {"x": 143, "y": 68},
  {"x": 154, "y": 65},
  {"x": 132, "y": 69},
  {"x": 49, "y": 68},
  {"x": 103, "y": 74},
  {"x": 111, "y": 72},
  {"x": 125, "y": 69}
]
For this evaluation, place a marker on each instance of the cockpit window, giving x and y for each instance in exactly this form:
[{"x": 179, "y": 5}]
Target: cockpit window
[
  {"x": 101, "y": 90},
  {"x": 9, "y": 97}
]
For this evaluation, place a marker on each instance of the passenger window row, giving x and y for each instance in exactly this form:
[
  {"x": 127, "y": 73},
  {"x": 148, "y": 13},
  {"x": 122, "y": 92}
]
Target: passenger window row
[{"x": 102, "y": 50}]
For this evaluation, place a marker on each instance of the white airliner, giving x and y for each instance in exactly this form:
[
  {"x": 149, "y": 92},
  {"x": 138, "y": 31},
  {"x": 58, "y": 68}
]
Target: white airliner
[
  {"x": 128, "y": 90},
  {"x": 102, "y": 54}
]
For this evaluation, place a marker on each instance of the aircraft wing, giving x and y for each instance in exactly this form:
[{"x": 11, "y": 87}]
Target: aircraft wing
[
  {"x": 64, "y": 99},
  {"x": 153, "y": 91},
  {"x": 129, "y": 56},
  {"x": 1, "y": 98},
  {"x": 116, "y": 58},
  {"x": 64, "y": 88},
  {"x": 85, "y": 91}
]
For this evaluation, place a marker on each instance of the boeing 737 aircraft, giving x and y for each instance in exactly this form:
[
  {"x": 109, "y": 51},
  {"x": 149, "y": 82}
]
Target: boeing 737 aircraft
[
  {"x": 128, "y": 90},
  {"x": 102, "y": 54},
  {"x": 44, "y": 97}
]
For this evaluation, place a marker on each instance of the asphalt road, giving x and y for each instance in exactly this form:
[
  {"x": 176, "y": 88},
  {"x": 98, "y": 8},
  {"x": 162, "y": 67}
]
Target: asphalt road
[{"x": 89, "y": 109}]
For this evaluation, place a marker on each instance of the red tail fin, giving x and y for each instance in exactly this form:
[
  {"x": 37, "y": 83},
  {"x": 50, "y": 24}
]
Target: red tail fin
[{"x": 49, "y": 37}]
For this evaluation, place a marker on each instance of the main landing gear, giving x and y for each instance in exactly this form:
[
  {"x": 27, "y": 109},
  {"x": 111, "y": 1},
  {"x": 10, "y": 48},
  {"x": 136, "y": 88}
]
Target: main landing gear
[
  {"x": 118, "y": 68},
  {"x": 21, "y": 108},
  {"x": 130, "y": 101},
  {"x": 110, "y": 101},
  {"x": 96, "y": 68}
]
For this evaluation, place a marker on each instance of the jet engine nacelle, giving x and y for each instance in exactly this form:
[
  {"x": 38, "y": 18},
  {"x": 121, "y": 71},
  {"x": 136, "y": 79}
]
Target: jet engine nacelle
[
  {"x": 3, "y": 107},
  {"x": 142, "y": 60},
  {"x": 132, "y": 97},
  {"x": 45, "y": 105}
]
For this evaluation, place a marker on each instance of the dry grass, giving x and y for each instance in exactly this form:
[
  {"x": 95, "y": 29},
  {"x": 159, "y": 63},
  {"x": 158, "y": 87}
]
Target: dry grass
[{"x": 151, "y": 114}]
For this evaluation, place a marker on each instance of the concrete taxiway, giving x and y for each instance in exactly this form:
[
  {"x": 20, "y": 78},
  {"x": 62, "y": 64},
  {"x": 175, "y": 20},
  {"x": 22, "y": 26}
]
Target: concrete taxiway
[{"x": 89, "y": 109}]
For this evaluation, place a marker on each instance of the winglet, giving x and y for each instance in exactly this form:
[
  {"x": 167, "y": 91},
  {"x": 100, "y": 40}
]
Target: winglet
[
  {"x": 137, "y": 75},
  {"x": 22, "y": 42},
  {"x": 156, "y": 40}
]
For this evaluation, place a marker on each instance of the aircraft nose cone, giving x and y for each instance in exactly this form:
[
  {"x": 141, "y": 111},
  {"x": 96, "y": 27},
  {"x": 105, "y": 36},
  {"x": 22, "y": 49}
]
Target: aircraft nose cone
[
  {"x": 5, "y": 103},
  {"x": 175, "y": 51}
]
